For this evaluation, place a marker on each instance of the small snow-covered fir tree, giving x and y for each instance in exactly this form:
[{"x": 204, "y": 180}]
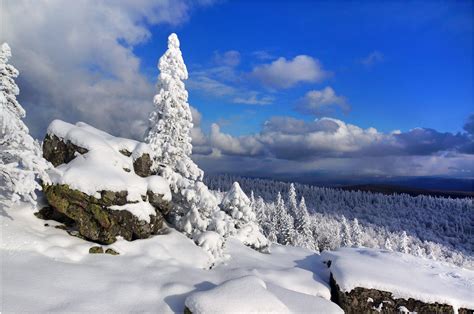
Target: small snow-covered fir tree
[
  {"x": 21, "y": 161},
  {"x": 357, "y": 234},
  {"x": 292, "y": 204},
  {"x": 238, "y": 206},
  {"x": 346, "y": 239},
  {"x": 171, "y": 122},
  {"x": 303, "y": 227},
  {"x": 283, "y": 222}
]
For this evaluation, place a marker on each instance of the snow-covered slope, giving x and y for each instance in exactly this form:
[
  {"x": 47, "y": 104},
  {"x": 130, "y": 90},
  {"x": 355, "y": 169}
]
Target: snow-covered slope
[
  {"x": 405, "y": 276},
  {"x": 45, "y": 269}
]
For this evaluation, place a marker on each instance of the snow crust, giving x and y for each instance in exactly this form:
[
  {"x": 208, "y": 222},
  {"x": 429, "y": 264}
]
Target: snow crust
[
  {"x": 46, "y": 270},
  {"x": 404, "y": 275},
  {"x": 103, "y": 167}
]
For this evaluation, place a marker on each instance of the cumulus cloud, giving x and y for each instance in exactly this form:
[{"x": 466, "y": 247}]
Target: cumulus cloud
[
  {"x": 373, "y": 58},
  {"x": 289, "y": 145},
  {"x": 322, "y": 102},
  {"x": 283, "y": 73},
  {"x": 77, "y": 63}
]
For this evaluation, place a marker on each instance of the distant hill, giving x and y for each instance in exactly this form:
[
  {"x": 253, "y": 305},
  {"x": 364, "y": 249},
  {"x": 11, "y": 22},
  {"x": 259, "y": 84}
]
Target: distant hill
[{"x": 396, "y": 189}]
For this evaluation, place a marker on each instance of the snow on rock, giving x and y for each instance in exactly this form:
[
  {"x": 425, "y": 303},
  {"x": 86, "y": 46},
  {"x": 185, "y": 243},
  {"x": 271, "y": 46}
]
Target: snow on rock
[
  {"x": 141, "y": 210},
  {"x": 103, "y": 167},
  {"x": 405, "y": 276},
  {"x": 46, "y": 270},
  {"x": 247, "y": 294}
]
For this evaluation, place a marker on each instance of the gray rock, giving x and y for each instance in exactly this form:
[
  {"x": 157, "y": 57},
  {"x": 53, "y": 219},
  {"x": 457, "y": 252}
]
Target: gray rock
[{"x": 364, "y": 300}]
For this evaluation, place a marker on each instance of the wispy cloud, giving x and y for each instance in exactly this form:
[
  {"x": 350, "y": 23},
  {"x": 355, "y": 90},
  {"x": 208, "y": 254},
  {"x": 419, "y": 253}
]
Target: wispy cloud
[
  {"x": 373, "y": 58},
  {"x": 224, "y": 80}
]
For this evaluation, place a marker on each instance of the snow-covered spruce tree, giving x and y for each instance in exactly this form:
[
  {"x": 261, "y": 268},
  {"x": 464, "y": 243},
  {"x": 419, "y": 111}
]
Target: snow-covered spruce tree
[
  {"x": 292, "y": 203},
  {"x": 196, "y": 212},
  {"x": 171, "y": 121},
  {"x": 304, "y": 236},
  {"x": 21, "y": 161},
  {"x": 357, "y": 233},
  {"x": 236, "y": 204},
  {"x": 283, "y": 222},
  {"x": 346, "y": 238}
]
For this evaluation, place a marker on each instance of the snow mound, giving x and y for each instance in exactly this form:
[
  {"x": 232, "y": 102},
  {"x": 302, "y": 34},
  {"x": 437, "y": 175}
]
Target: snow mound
[
  {"x": 104, "y": 167},
  {"x": 242, "y": 295},
  {"x": 403, "y": 275},
  {"x": 149, "y": 275}
]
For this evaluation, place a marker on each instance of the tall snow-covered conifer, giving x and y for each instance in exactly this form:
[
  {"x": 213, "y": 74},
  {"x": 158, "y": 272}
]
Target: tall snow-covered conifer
[
  {"x": 21, "y": 161},
  {"x": 171, "y": 121}
]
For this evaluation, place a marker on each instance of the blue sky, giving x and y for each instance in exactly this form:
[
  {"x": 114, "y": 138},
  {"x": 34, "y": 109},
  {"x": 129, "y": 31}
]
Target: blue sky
[
  {"x": 286, "y": 89},
  {"x": 422, "y": 78}
]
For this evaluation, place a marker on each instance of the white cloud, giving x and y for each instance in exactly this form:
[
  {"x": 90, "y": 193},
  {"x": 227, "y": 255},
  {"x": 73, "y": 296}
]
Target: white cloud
[
  {"x": 223, "y": 80},
  {"x": 229, "y": 58},
  {"x": 205, "y": 84},
  {"x": 322, "y": 102},
  {"x": 227, "y": 144},
  {"x": 253, "y": 99},
  {"x": 373, "y": 58},
  {"x": 76, "y": 59},
  {"x": 263, "y": 55},
  {"x": 283, "y": 73}
]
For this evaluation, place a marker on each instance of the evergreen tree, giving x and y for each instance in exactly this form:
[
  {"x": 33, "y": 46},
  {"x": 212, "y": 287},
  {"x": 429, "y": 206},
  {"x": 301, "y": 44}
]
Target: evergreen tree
[
  {"x": 292, "y": 205},
  {"x": 346, "y": 239},
  {"x": 283, "y": 222},
  {"x": 21, "y": 161},
  {"x": 237, "y": 205},
  {"x": 357, "y": 235},
  {"x": 303, "y": 227},
  {"x": 171, "y": 121}
]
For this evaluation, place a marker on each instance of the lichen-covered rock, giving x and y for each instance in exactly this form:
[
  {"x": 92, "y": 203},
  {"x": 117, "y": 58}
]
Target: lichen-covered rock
[
  {"x": 363, "y": 300},
  {"x": 95, "y": 220},
  {"x": 96, "y": 250},
  {"x": 143, "y": 165},
  {"x": 111, "y": 252},
  {"x": 60, "y": 152}
]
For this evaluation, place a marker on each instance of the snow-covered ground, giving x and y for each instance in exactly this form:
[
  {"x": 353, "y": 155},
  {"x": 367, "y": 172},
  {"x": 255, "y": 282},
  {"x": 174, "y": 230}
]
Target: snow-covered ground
[
  {"x": 45, "y": 269},
  {"x": 404, "y": 275}
]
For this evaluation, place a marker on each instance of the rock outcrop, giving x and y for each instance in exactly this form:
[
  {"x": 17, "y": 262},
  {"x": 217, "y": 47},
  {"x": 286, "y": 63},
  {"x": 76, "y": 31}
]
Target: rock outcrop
[
  {"x": 102, "y": 215},
  {"x": 94, "y": 219},
  {"x": 363, "y": 300}
]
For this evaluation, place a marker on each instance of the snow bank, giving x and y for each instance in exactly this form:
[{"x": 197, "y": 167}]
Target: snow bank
[
  {"x": 46, "y": 270},
  {"x": 403, "y": 275},
  {"x": 247, "y": 294},
  {"x": 103, "y": 167}
]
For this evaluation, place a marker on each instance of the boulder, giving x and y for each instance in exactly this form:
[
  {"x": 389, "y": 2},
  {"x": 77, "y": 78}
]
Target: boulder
[
  {"x": 364, "y": 300},
  {"x": 117, "y": 195},
  {"x": 94, "y": 219},
  {"x": 58, "y": 152}
]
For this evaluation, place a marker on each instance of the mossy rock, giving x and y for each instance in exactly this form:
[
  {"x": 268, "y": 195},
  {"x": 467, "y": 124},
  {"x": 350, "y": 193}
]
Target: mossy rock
[
  {"x": 111, "y": 252},
  {"x": 94, "y": 219},
  {"x": 96, "y": 250}
]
